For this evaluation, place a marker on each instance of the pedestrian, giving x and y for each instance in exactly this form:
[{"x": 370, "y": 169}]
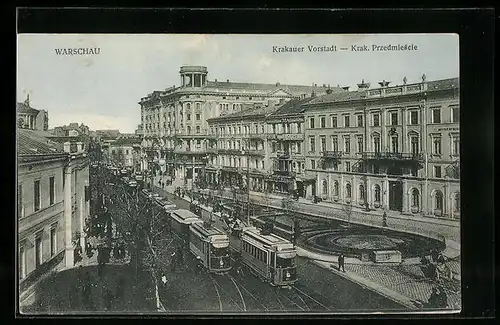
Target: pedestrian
[
  {"x": 164, "y": 280},
  {"x": 341, "y": 262},
  {"x": 437, "y": 299}
]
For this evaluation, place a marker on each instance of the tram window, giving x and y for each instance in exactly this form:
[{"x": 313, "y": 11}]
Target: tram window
[{"x": 285, "y": 262}]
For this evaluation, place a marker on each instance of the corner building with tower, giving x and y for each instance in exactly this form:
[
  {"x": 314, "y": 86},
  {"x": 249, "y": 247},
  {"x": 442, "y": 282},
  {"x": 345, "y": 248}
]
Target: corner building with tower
[{"x": 176, "y": 135}]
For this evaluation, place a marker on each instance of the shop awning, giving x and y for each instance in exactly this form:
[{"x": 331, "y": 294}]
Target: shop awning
[{"x": 306, "y": 179}]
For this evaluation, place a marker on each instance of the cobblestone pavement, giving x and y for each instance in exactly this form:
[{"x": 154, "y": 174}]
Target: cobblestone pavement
[{"x": 407, "y": 280}]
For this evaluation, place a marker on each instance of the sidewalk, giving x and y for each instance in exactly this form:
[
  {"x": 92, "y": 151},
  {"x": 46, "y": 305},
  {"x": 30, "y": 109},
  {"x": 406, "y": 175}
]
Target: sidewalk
[
  {"x": 61, "y": 291},
  {"x": 403, "y": 283}
]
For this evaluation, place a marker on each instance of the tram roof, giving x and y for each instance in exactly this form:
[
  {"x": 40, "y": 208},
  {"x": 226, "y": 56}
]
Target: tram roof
[
  {"x": 185, "y": 215},
  {"x": 270, "y": 239},
  {"x": 207, "y": 232}
]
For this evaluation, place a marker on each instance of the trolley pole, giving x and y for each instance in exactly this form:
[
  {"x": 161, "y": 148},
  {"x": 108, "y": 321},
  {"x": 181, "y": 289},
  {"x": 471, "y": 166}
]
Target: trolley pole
[{"x": 248, "y": 191}]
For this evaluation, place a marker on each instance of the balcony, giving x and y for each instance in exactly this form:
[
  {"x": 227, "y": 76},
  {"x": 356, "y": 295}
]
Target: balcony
[
  {"x": 332, "y": 154},
  {"x": 232, "y": 169},
  {"x": 282, "y": 154},
  {"x": 230, "y": 151},
  {"x": 255, "y": 152},
  {"x": 287, "y": 173},
  {"x": 290, "y": 136},
  {"x": 190, "y": 151},
  {"x": 255, "y": 136},
  {"x": 212, "y": 150},
  {"x": 393, "y": 156}
]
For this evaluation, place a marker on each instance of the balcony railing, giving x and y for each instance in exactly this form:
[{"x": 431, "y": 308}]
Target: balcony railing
[
  {"x": 397, "y": 156},
  {"x": 282, "y": 154},
  {"x": 290, "y": 136},
  {"x": 231, "y": 168},
  {"x": 230, "y": 151},
  {"x": 212, "y": 150},
  {"x": 332, "y": 154},
  {"x": 280, "y": 172}
]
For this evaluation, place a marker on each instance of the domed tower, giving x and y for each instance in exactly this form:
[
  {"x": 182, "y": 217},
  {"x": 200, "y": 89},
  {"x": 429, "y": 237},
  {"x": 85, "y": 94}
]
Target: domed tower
[{"x": 193, "y": 76}]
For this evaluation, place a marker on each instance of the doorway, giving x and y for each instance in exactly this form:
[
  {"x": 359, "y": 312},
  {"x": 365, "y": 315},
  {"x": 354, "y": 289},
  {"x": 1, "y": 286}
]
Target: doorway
[{"x": 396, "y": 196}]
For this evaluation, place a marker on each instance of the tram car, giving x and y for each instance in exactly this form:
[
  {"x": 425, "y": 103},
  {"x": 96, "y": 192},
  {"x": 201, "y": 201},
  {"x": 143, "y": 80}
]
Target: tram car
[
  {"x": 179, "y": 221},
  {"x": 212, "y": 246},
  {"x": 270, "y": 257}
]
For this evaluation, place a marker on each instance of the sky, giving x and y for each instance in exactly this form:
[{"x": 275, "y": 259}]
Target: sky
[{"x": 102, "y": 91}]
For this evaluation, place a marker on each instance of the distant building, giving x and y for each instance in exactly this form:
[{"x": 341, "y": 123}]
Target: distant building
[
  {"x": 52, "y": 206},
  {"x": 31, "y": 118},
  {"x": 139, "y": 130},
  {"x": 107, "y": 134},
  {"x": 124, "y": 152},
  {"x": 73, "y": 129}
]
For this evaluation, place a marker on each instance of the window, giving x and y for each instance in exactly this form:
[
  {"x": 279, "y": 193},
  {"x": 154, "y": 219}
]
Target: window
[
  {"x": 312, "y": 144},
  {"x": 334, "y": 121},
  {"x": 262, "y": 164},
  {"x": 335, "y": 144},
  {"x": 361, "y": 192},
  {"x": 437, "y": 171},
  {"x": 438, "y": 201},
  {"x": 348, "y": 191},
  {"x": 455, "y": 146},
  {"x": 377, "y": 193},
  {"x": 299, "y": 127},
  {"x": 347, "y": 144},
  {"x": 323, "y": 122},
  {"x": 360, "y": 144},
  {"x": 414, "y": 145},
  {"x": 197, "y": 129},
  {"x": 394, "y": 118},
  {"x": 188, "y": 117},
  {"x": 313, "y": 164},
  {"x": 360, "y": 120},
  {"x": 51, "y": 190},
  {"x": 394, "y": 144},
  {"x": 38, "y": 250},
  {"x": 336, "y": 188},
  {"x": 376, "y": 144},
  {"x": 20, "y": 209},
  {"x": 323, "y": 144},
  {"x": 413, "y": 117},
  {"x": 436, "y": 115},
  {"x": 437, "y": 146},
  {"x": 311, "y": 123},
  {"x": 325, "y": 188},
  {"x": 346, "y": 121},
  {"x": 37, "y": 195},
  {"x": 347, "y": 166},
  {"x": 189, "y": 130},
  {"x": 53, "y": 240},
  {"x": 22, "y": 262},
  {"x": 198, "y": 117},
  {"x": 455, "y": 114},
  {"x": 376, "y": 119},
  {"x": 415, "y": 198}
]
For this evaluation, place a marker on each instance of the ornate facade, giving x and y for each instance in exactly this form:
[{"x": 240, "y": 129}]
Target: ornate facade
[{"x": 174, "y": 121}]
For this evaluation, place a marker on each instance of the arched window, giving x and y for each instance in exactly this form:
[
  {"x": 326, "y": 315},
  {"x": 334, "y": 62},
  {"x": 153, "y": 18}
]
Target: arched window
[
  {"x": 361, "y": 192},
  {"x": 336, "y": 188},
  {"x": 456, "y": 201},
  {"x": 189, "y": 130},
  {"x": 348, "y": 190},
  {"x": 198, "y": 105},
  {"x": 415, "y": 198},
  {"x": 377, "y": 193},
  {"x": 438, "y": 201},
  {"x": 188, "y": 106},
  {"x": 325, "y": 188}
]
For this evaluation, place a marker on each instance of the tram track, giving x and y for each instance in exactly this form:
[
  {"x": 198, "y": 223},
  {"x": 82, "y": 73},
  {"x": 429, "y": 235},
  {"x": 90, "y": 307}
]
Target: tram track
[
  {"x": 248, "y": 292},
  {"x": 220, "y": 289}
]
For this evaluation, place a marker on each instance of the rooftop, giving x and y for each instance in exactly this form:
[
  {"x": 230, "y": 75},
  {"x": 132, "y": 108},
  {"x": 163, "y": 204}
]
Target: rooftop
[
  {"x": 33, "y": 143},
  {"x": 293, "y": 106},
  {"x": 26, "y": 109}
]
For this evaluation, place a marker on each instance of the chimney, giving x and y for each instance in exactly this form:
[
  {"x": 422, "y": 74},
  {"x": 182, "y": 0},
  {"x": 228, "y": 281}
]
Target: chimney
[{"x": 67, "y": 147}]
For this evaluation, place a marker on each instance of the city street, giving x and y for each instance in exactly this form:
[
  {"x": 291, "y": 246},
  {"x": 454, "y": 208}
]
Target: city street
[{"x": 188, "y": 291}]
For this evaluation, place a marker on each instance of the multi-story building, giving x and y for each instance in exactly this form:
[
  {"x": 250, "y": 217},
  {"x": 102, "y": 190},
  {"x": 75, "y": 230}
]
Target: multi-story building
[
  {"x": 393, "y": 148},
  {"x": 73, "y": 129},
  {"x": 125, "y": 151},
  {"x": 237, "y": 148},
  {"x": 174, "y": 121},
  {"x": 30, "y": 118},
  {"x": 51, "y": 202}
]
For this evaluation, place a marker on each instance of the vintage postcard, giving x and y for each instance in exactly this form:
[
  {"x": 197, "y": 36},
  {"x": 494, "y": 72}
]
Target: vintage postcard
[{"x": 243, "y": 174}]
